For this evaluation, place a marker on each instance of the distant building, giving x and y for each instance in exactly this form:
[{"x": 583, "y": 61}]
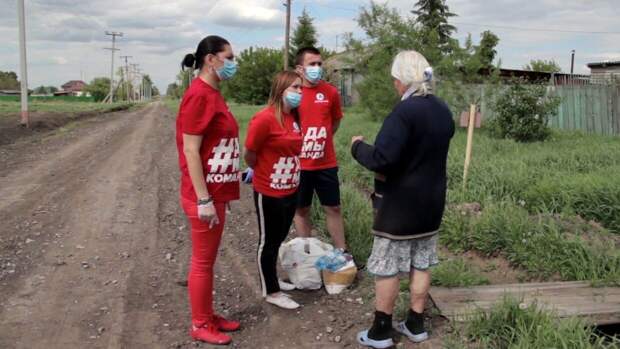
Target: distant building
[
  {"x": 605, "y": 71},
  {"x": 75, "y": 88},
  {"x": 11, "y": 92},
  {"x": 340, "y": 71}
]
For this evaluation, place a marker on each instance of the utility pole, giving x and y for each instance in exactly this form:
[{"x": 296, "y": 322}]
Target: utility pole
[
  {"x": 287, "y": 33},
  {"x": 21, "y": 14},
  {"x": 112, "y": 49},
  {"x": 572, "y": 61},
  {"x": 127, "y": 80},
  {"x": 138, "y": 73}
]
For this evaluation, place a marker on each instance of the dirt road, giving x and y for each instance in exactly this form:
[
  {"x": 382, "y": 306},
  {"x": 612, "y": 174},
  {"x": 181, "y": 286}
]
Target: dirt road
[{"x": 94, "y": 248}]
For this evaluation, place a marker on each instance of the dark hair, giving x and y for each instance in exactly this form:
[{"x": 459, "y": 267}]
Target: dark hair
[
  {"x": 212, "y": 44},
  {"x": 301, "y": 53}
]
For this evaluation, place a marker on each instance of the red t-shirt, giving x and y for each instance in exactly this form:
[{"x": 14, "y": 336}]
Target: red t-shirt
[
  {"x": 203, "y": 111},
  {"x": 320, "y": 107},
  {"x": 277, "y": 148}
]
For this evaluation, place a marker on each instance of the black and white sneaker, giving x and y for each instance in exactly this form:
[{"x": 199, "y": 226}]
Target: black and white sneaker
[
  {"x": 362, "y": 338},
  {"x": 416, "y": 338}
]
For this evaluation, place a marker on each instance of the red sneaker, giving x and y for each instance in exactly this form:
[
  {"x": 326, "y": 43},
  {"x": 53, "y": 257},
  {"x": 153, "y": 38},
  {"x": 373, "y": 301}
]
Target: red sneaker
[
  {"x": 209, "y": 334},
  {"x": 226, "y": 325}
]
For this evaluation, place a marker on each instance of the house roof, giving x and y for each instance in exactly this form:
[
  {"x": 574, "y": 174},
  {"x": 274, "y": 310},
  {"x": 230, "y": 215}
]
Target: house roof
[
  {"x": 604, "y": 64},
  {"x": 74, "y": 85}
]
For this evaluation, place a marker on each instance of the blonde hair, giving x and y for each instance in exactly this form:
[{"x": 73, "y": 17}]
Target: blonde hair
[
  {"x": 413, "y": 70},
  {"x": 281, "y": 82}
]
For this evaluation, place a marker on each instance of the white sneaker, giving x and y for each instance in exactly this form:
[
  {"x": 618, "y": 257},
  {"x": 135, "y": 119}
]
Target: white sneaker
[
  {"x": 282, "y": 301},
  {"x": 286, "y": 286}
]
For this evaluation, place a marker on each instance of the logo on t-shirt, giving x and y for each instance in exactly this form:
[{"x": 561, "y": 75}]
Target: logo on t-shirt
[
  {"x": 320, "y": 98},
  {"x": 314, "y": 143},
  {"x": 224, "y": 162},
  {"x": 285, "y": 173}
]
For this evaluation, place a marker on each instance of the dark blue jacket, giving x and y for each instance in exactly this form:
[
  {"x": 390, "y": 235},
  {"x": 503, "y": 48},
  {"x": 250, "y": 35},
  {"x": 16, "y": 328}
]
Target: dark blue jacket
[{"x": 411, "y": 151}]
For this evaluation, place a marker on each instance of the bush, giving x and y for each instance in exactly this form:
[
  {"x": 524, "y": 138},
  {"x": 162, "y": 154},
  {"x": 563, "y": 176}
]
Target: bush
[
  {"x": 522, "y": 113},
  {"x": 99, "y": 88},
  {"x": 252, "y": 83}
]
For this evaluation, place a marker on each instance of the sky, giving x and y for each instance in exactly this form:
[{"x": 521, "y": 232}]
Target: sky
[{"x": 66, "y": 38}]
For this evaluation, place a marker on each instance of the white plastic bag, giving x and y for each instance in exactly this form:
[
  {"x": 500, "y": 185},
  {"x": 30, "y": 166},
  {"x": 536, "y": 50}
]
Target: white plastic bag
[{"x": 297, "y": 258}]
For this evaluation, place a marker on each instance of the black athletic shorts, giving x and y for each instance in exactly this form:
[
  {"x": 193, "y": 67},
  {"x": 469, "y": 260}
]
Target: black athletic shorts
[{"x": 324, "y": 183}]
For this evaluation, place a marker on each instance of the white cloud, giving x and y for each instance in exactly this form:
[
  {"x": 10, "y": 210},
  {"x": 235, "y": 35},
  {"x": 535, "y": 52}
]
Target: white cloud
[
  {"x": 60, "y": 60},
  {"x": 247, "y": 13}
]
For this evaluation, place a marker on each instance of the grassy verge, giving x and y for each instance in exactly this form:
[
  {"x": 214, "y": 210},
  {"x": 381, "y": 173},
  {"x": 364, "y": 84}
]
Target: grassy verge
[
  {"x": 58, "y": 106},
  {"x": 513, "y": 325}
]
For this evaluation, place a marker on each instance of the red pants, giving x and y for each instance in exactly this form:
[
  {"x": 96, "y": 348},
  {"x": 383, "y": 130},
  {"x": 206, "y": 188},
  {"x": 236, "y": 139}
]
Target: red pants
[{"x": 205, "y": 243}]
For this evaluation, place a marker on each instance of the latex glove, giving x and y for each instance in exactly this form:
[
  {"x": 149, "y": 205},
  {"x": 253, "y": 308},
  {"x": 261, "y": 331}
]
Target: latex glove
[
  {"x": 246, "y": 176},
  {"x": 207, "y": 213}
]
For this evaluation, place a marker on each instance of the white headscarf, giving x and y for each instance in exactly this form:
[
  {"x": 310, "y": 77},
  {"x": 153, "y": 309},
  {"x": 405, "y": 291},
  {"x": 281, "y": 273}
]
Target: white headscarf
[{"x": 413, "y": 70}]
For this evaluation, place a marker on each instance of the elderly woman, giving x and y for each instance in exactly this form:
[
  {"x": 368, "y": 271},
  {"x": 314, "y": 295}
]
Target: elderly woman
[{"x": 409, "y": 157}]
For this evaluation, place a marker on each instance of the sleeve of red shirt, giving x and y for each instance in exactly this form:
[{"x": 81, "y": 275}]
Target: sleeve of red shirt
[
  {"x": 258, "y": 131},
  {"x": 336, "y": 109},
  {"x": 197, "y": 113}
]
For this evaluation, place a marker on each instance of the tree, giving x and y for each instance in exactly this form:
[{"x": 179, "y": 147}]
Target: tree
[
  {"x": 549, "y": 66},
  {"x": 99, "y": 88},
  {"x": 432, "y": 15},
  {"x": 148, "y": 82},
  {"x": 304, "y": 35},
  {"x": 173, "y": 90},
  {"x": 486, "y": 50},
  {"x": 252, "y": 83},
  {"x": 456, "y": 69},
  {"x": 8, "y": 81},
  {"x": 45, "y": 90},
  {"x": 388, "y": 33}
]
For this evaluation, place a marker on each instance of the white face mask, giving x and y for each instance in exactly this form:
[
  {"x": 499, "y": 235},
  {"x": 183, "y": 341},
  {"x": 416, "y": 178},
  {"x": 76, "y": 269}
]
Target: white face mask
[{"x": 313, "y": 73}]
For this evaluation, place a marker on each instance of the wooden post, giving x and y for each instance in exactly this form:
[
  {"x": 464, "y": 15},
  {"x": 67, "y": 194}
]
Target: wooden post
[
  {"x": 23, "y": 78},
  {"x": 470, "y": 140},
  {"x": 287, "y": 33}
]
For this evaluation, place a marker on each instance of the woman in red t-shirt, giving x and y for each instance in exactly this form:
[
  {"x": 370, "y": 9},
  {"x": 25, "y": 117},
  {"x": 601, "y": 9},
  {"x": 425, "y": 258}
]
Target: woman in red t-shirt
[
  {"x": 207, "y": 138},
  {"x": 272, "y": 149}
]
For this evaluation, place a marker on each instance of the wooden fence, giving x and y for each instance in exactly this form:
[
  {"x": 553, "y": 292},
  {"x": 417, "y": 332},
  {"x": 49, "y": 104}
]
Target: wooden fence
[{"x": 589, "y": 108}]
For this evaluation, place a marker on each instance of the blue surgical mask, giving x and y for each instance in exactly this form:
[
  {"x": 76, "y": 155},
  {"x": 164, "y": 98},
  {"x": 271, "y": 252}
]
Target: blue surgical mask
[
  {"x": 227, "y": 71},
  {"x": 314, "y": 74},
  {"x": 293, "y": 99}
]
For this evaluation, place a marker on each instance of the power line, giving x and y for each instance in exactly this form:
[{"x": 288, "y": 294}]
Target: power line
[
  {"x": 112, "y": 49},
  {"x": 536, "y": 29},
  {"x": 127, "y": 80}
]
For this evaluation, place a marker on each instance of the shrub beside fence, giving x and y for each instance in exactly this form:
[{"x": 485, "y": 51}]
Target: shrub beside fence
[{"x": 593, "y": 109}]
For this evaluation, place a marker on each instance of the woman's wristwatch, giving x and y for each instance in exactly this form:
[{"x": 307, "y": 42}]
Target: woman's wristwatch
[{"x": 204, "y": 201}]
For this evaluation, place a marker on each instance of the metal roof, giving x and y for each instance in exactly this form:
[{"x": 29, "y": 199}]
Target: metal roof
[{"x": 603, "y": 64}]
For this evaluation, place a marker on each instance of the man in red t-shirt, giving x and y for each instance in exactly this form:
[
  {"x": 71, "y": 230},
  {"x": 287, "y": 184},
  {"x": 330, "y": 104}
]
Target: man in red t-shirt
[{"x": 320, "y": 116}]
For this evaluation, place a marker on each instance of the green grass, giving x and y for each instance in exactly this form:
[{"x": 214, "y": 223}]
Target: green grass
[
  {"x": 457, "y": 272},
  {"x": 8, "y": 107},
  {"x": 512, "y": 325},
  {"x": 542, "y": 245}
]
